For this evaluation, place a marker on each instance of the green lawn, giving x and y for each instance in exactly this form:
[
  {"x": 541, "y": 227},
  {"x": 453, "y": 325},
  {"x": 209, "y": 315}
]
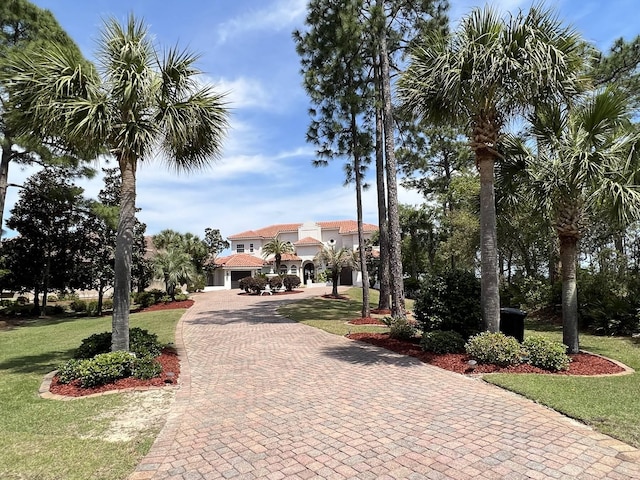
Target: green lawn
[
  {"x": 46, "y": 439},
  {"x": 333, "y": 315},
  {"x": 609, "y": 404}
]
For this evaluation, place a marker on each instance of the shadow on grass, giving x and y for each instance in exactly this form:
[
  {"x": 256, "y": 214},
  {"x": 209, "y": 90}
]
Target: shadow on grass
[
  {"x": 42, "y": 363},
  {"x": 360, "y": 354}
]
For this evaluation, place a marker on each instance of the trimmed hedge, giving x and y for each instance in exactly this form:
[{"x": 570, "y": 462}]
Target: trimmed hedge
[
  {"x": 495, "y": 348},
  {"x": 440, "y": 342}
]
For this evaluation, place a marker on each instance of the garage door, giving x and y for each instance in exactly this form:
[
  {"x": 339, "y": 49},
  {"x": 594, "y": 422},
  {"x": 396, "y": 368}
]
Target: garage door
[{"x": 236, "y": 276}]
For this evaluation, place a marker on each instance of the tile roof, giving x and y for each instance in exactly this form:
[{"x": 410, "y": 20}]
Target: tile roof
[
  {"x": 272, "y": 231},
  {"x": 240, "y": 260},
  {"x": 307, "y": 241}
]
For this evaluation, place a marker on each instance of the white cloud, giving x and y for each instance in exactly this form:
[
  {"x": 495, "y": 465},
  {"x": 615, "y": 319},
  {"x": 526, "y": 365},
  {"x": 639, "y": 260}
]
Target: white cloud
[
  {"x": 277, "y": 16},
  {"x": 243, "y": 92}
]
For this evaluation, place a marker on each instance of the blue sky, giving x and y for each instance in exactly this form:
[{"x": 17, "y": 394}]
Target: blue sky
[{"x": 265, "y": 174}]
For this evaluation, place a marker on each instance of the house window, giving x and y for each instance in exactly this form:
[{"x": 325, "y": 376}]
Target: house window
[
  {"x": 294, "y": 270},
  {"x": 283, "y": 269},
  {"x": 251, "y": 248},
  {"x": 240, "y": 248}
]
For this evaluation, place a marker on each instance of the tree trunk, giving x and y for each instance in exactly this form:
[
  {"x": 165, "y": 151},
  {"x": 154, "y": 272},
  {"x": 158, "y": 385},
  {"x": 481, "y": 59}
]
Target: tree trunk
[
  {"x": 124, "y": 247},
  {"x": 335, "y": 278},
  {"x": 395, "y": 253},
  {"x": 361, "y": 251},
  {"x": 568, "y": 258},
  {"x": 383, "y": 228},
  {"x": 490, "y": 294},
  {"x": 100, "y": 297},
  {"x": 4, "y": 177}
]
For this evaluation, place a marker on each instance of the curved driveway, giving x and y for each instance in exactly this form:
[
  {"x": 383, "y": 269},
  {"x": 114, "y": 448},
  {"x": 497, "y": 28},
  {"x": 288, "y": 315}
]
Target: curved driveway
[{"x": 264, "y": 397}]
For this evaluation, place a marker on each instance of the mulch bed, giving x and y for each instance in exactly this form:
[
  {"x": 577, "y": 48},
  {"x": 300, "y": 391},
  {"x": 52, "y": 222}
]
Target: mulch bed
[
  {"x": 365, "y": 321},
  {"x": 169, "y": 306},
  {"x": 170, "y": 374},
  {"x": 581, "y": 363}
]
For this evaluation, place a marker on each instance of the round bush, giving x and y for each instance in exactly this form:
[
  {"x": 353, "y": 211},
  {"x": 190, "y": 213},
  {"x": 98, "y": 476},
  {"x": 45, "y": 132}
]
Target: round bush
[
  {"x": 68, "y": 371},
  {"x": 146, "y": 368},
  {"x": 79, "y": 306},
  {"x": 105, "y": 368},
  {"x": 495, "y": 348},
  {"x": 401, "y": 328},
  {"x": 546, "y": 354},
  {"x": 290, "y": 282},
  {"x": 442, "y": 342},
  {"x": 275, "y": 282},
  {"x": 450, "y": 302},
  {"x": 141, "y": 343}
]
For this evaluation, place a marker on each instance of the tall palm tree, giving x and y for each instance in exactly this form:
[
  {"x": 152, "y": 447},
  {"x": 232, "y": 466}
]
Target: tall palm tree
[
  {"x": 336, "y": 261},
  {"x": 482, "y": 75},
  {"x": 277, "y": 248},
  {"x": 174, "y": 267},
  {"x": 140, "y": 104},
  {"x": 586, "y": 164}
]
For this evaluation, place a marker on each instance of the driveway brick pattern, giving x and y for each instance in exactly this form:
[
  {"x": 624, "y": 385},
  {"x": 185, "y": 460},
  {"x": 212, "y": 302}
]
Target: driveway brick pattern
[{"x": 262, "y": 397}]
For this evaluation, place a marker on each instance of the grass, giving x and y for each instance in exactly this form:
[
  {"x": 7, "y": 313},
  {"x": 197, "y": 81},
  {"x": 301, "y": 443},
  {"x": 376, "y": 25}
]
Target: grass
[
  {"x": 609, "y": 404},
  {"x": 332, "y": 315},
  {"x": 47, "y": 439}
]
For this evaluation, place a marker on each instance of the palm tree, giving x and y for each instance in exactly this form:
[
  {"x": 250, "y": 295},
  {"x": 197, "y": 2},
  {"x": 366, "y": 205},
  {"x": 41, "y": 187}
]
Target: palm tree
[
  {"x": 335, "y": 260},
  {"x": 141, "y": 104},
  {"x": 482, "y": 75},
  {"x": 277, "y": 248},
  {"x": 174, "y": 267},
  {"x": 586, "y": 164}
]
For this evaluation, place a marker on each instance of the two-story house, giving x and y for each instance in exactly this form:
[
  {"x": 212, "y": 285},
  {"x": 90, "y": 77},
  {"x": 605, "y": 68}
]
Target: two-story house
[{"x": 307, "y": 240}]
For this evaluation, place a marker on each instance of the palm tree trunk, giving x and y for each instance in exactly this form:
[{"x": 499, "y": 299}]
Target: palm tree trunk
[
  {"x": 335, "y": 278},
  {"x": 490, "y": 294},
  {"x": 4, "y": 177},
  {"x": 383, "y": 226},
  {"x": 124, "y": 244},
  {"x": 568, "y": 258},
  {"x": 395, "y": 253}
]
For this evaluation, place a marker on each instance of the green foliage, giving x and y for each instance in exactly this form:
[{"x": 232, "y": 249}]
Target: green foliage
[
  {"x": 494, "y": 348},
  {"x": 253, "y": 284},
  {"x": 322, "y": 276},
  {"x": 197, "y": 284},
  {"x": 411, "y": 287},
  {"x": 68, "y": 371},
  {"x": 105, "y": 368},
  {"x": 439, "y": 341},
  {"x": 546, "y": 354},
  {"x": 107, "y": 304},
  {"x": 148, "y": 297},
  {"x": 450, "y": 301},
  {"x": 79, "y": 306},
  {"x": 275, "y": 282},
  {"x": 400, "y": 328},
  {"x": 181, "y": 297},
  {"x": 528, "y": 293},
  {"x": 52, "y": 298},
  {"x": 146, "y": 368},
  {"x": 608, "y": 303},
  {"x": 142, "y": 344},
  {"x": 290, "y": 282}
]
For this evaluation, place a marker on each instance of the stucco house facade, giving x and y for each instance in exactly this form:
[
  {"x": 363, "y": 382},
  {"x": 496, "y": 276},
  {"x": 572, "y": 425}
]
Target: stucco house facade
[{"x": 307, "y": 240}]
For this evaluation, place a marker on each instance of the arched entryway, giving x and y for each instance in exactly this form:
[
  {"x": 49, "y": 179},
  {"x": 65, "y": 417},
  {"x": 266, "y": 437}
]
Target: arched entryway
[{"x": 309, "y": 271}]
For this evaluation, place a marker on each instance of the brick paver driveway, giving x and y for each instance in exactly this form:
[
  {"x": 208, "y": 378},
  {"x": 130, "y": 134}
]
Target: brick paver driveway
[{"x": 263, "y": 397}]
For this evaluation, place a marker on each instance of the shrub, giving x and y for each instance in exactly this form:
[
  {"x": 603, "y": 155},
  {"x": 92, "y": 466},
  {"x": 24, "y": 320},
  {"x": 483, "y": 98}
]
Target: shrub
[
  {"x": 146, "y": 368},
  {"x": 400, "y": 328},
  {"x": 105, "y": 368},
  {"x": 94, "y": 345},
  {"x": 322, "y": 276},
  {"x": 197, "y": 284},
  {"x": 92, "y": 308},
  {"x": 182, "y": 297},
  {"x": 440, "y": 341},
  {"x": 450, "y": 302},
  {"x": 275, "y": 282},
  {"x": 547, "y": 354},
  {"x": 22, "y": 300},
  {"x": 52, "y": 298},
  {"x": 79, "y": 306},
  {"x": 141, "y": 343},
  {"x": 290, "y": 282},
  {"x": 246, "y": 283},
  {"x": 54, "y": 310},
  {"x": 68, "y": 371},
  {"x": 495, "y": 348},
  {"x": 411, "y": 287},
  {"x": 148, "y": 297},
  {"x": 107, "y": 304}
]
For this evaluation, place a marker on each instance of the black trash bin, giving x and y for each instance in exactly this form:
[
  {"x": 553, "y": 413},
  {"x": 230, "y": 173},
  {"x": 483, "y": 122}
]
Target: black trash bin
[{"x": 512, "y": 322}]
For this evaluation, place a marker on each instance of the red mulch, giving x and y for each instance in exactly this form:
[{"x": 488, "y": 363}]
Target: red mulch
[
  {"x": 168, "y": 359},
  {"x": 581, "y": 363},
  {"x": 365, "y": 321},
  {"x": 168, "y": 306}
]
